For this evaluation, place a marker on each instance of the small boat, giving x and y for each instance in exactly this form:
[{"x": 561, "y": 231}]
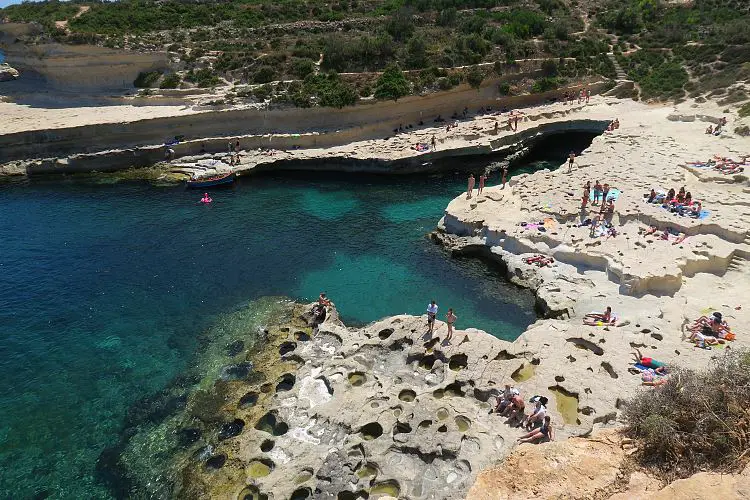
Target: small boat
[{"x": 217, "y": 180}]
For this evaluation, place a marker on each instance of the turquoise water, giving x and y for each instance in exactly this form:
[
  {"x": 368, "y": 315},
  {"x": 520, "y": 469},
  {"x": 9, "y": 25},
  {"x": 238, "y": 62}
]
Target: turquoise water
[{"x": 106, "y": 289}]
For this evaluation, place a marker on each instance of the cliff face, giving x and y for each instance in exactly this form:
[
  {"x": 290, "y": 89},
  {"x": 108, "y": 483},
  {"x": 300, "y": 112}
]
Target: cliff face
[{"x": 76, "y": 67}]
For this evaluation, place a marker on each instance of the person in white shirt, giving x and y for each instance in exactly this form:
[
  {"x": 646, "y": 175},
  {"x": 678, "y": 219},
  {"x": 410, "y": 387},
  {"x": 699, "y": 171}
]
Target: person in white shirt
[
  {"x": 432, "y": 310},
  {"x": 537, "y": 415}
]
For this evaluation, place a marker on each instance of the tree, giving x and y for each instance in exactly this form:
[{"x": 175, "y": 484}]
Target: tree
[
  {"x": 264, "y": 74},
  {"x": 474, "y": 77},
  {"x": 401, "y": 24},
  {"x": 303, "y": 67},
  {"x": 416, "y": 52},
  {"x": 392, "y": 84}
]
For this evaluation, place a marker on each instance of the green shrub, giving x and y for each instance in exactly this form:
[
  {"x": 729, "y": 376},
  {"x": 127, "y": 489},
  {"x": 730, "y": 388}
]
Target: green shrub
[
  {"x": 549, "y": 68},
  {"x": 392, "y": 84},
  {"x": 171, "y": 81},
  {"x": 504, "y": 88},
  {"x": 545, "y": 84},
  {"x": 330, "y": 90},
  {"x": 203, "y": 78},
  {"x": 744, "y": 110},
  {"x": 474, "y": 77},
  {"x": 303, "y": 67},
  {"x": 264, "y": 74},
  {"x": 146, "y": 80},
  {"x": 697, "y": 420},
  {"x": 743, "y": 131}
]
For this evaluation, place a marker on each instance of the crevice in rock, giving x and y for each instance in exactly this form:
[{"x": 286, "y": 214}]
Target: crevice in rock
[{"x": 586, "y": 344}]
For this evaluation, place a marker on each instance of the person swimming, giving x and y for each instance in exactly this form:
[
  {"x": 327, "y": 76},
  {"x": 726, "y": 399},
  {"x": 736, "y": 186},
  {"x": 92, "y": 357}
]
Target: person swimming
[{"x": 206, "y": 199}]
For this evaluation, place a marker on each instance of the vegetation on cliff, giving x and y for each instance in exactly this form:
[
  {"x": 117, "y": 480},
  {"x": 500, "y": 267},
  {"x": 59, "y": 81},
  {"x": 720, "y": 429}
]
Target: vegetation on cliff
[
  {"x": 696, "y": 420},
  {"x": 671, "y": 49}
]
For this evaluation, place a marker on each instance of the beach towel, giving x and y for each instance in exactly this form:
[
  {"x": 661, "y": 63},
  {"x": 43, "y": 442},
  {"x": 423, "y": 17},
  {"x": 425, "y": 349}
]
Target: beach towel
[
  {"x": 612, "y": 194},
  {"x": 704, "y": 214}
]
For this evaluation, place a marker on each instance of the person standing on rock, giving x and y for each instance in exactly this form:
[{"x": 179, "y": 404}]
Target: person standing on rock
[
  {"x": 482, "y": 179},
  {"x": 450, "y": 319},
  {"x": 433, "y": 143},
  {"x": 586, "y": 193},
  {"x": 432, "y": 309},
  {"x": 470, "y": 187},
  {"x": 597, "y": 192},
  {"x": 571, "y": 160},
  {"x": 505, "y": 176}
]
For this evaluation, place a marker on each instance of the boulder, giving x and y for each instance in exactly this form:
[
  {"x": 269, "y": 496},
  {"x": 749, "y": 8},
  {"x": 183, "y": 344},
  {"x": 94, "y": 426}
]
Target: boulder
[{"x": 7, "y": 73}]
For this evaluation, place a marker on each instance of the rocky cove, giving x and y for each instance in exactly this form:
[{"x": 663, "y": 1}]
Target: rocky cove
[{"x": 386, "y": 410}]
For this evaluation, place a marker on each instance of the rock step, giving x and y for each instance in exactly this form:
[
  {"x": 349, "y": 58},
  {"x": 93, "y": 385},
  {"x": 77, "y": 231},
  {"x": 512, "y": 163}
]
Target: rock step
[{"x": 621, "y": 75}]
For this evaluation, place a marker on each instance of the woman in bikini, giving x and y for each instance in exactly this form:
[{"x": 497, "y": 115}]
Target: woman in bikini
[
  {"x": 543, "y": 432},
  {"x": 594, "y": 318},
  {"x": 450, "y": 318}
]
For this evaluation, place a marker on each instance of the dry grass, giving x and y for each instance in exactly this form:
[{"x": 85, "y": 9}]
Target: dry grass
[{"x": 697, "y": 420}]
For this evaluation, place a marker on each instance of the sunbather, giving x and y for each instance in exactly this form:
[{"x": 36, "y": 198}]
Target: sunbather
[
  {"x": 505, "y": 399},
  {"x": 658, "y": 366},
  {"x": 593, "y": 319},
  {"x": 537, "y": 415},
  {"x": 543, "y": 432}
]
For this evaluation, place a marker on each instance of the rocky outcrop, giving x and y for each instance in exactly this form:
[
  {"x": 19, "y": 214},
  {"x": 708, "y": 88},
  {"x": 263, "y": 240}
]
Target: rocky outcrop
[
  {"x": 76, "y": 67},
  {"x": 7, "y": 73},
  {"x": 596, "y": 467}
]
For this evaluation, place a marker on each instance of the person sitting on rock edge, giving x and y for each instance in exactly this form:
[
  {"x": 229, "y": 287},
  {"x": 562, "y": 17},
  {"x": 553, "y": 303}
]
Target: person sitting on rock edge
[
  {"x": 537, "y": 415},
  {"x": 505, "y": 399},
  {"x": 323, "y": 300},
  {"x": 543, "y": 432}
]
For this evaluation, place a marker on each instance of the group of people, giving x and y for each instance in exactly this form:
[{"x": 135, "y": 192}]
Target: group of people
[
  {"x": 601, "y": 192},
  {"x": 725, "y": 165},
  {"x": 705, "y": 332},
  {"x": 450, "y": 320},
  {"x": 719, "y": 126},
  {"x": 680, "y": 202},
  {"x": 584, "y": 95},
  {"x": 613, "y": 125},
  {"x": 482, "y": 181},
  {"x": 234, "y": 152},
  {"x": 510, "y": 404}
]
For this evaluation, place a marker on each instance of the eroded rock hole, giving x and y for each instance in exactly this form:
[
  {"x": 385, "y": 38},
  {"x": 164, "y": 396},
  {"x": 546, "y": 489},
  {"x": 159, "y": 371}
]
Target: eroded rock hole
[
  {"x": 216, "y": 462},
  {"x": 267, "y": 445},
  {"x": 401, "y": 428},
  {"x": 240, "y": 371},
  {"x": 266, "y": 388},
  {"x": 272, "y": 425},
  {"x": 301, "y": 494},
  {"x": 286, "y": 382},
  {"x": 504, "y": 356},
  {"x": 251, "y": 492},
  {"x": 303, "y": 476},
  {"x": 424, "y": 424},
  {"x": 458, "y": 362},
  {"x": 357, "y": 378},
  {"x": 657, "y": 336},
  {"x": 259, "y": 467},
  {"x": 586, "y": 345},
  {"x": 301, "y": 336},
  {"x": 407, "y": 395},
  {"x": 442, "y": 428},
  {"x": 352, "y": 495},
  {"x": 384, "y": 334},
  {"x": 559, "y": 378},
  {"x": 248, "y": 400},
  {"x": 608, "y": 368},
  {"x": 231, "y": 429},
  {"x": 454, "y": 390},
  {"x": 371, "y": 431},
  {"x": 462, "y": 423},
  {"x": 386, "y": 488},
  {"x": 287, "y": 347},
  {"x": 427, "y": 362}
]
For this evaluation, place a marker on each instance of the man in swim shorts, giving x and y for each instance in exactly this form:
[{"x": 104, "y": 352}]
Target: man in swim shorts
[
  {"x": 450, "y": 318},
  {"x": 571, "y": 159},
  {"x": 432, "y": 309}
]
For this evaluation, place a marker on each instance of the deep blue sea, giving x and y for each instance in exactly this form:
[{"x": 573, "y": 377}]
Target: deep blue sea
[{"x": 104, "y": 289}]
